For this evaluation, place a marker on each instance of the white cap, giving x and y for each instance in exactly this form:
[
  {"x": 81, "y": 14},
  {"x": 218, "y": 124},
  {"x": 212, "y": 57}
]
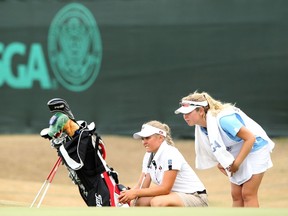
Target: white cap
[
  {"x": 148, "y": 130},
  {"x": 189, "y": 106}
]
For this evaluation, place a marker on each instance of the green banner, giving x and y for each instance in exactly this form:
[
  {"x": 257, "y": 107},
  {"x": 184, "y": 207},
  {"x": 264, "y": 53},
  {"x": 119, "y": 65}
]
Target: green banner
[{"x": 122, "y": 63}]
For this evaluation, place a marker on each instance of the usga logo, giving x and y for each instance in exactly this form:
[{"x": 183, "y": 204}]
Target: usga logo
[{"x": 74, "y": 51}]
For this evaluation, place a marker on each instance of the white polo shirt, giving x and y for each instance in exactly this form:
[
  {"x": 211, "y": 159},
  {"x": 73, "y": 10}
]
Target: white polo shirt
[{"x": 169, "y": 158}]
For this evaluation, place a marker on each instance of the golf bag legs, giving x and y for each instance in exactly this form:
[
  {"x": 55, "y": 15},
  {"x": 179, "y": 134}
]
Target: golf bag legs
[{"x": 46, "y": 184}]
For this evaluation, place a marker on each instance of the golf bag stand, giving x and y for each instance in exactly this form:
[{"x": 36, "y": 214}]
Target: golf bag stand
[{"x": 46, "y": 184}]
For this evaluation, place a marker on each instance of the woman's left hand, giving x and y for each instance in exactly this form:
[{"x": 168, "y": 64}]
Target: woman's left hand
[
  {"x": 126, "y": 196},
  {"x": 233, "y": 168}
]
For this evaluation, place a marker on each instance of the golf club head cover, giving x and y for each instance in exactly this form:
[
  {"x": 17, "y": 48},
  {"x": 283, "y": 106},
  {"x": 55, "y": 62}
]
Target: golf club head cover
[
  {"x": 60, "y": 105},
  {"x": 44, "y": 133}
]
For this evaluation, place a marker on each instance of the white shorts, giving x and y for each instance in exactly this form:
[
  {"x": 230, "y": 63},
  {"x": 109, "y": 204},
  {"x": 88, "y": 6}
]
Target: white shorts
[{"x": 255, "y": 163}]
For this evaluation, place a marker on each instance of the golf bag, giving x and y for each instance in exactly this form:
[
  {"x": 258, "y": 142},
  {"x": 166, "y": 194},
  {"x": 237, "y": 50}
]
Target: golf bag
[{"x": 84, "y": 157}]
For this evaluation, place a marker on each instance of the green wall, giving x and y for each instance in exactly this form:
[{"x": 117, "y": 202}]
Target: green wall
[{"x": 153, "y": 53}]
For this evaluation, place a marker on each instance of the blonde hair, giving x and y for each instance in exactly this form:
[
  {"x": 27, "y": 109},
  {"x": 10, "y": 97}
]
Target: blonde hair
[
  {"x": 164, "y": 127},
  {"x": 214, "y": 106}
]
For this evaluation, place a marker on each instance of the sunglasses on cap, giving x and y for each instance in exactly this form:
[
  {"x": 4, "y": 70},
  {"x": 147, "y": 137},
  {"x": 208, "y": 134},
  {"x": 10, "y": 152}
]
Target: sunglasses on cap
[
  {"x": 193, "y": 103},
  {"x": 186, "y": 104}
]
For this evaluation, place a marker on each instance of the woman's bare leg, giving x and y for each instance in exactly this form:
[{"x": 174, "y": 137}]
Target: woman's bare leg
[
  {"x": 236, "y": 193},
  {"x": 250, "y": 191}
]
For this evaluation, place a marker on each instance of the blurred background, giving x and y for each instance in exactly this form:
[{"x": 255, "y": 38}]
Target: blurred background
[{"x": 121, "y": 63}]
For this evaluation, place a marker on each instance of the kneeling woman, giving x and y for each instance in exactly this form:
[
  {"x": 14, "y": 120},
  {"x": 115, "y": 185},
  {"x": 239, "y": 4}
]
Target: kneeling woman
[{"x": 176, "y": 184}]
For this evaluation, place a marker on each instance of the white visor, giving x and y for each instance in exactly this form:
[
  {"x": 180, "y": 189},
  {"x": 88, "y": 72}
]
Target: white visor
[
  {"x": 189, "y": 106},
  {"x": 148, "y": 130}
]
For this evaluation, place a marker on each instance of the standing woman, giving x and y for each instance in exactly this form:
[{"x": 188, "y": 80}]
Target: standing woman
[
  {"x": 225, "y": 136},
  {"x": 176, "y": 184}
]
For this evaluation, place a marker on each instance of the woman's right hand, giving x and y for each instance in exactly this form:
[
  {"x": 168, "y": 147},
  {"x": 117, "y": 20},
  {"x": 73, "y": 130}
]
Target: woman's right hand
[{"x": 222, "y": 169}]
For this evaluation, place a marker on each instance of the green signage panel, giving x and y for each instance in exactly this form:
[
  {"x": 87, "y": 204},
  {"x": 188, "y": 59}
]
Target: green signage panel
[{"x": 122, "y": 63}]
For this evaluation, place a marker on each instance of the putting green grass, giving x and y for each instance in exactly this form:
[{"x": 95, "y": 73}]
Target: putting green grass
[{"x": 167, "y": 211}]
